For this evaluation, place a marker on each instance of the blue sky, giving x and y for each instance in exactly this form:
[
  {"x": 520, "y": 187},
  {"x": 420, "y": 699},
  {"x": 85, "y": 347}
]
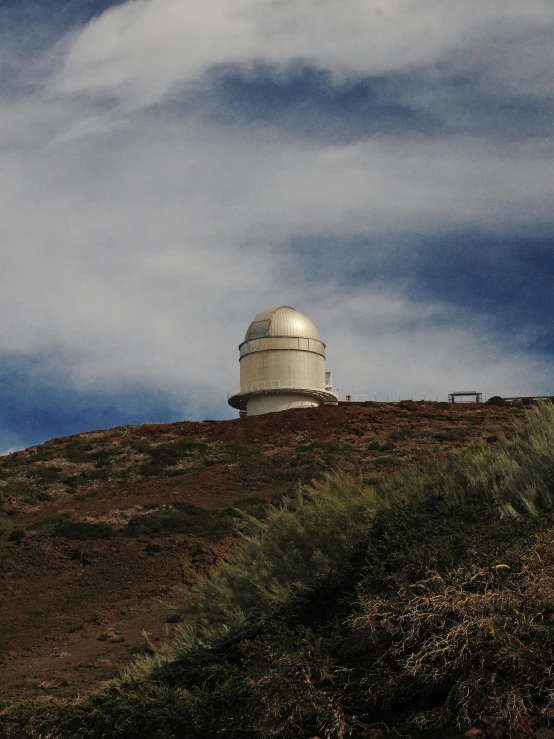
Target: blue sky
[{"x": 170, "y": 169}]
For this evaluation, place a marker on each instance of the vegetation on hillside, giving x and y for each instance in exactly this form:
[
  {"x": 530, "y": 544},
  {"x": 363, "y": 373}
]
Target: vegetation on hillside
[{"x": 426, "y": 597}]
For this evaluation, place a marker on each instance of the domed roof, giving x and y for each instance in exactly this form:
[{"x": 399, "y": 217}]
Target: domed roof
[{"x": 283, "y": 321}]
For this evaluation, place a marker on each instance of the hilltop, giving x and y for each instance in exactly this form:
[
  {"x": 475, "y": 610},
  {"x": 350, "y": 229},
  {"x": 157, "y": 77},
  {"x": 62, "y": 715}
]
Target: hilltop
[{"x": 105, "y": 532}]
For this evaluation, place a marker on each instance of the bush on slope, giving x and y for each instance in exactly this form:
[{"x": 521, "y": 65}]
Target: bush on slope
[
  {"x": 338, "y": 608},
  {"x": 480, "y": 640},
  {"x": 317, "y": 537}
]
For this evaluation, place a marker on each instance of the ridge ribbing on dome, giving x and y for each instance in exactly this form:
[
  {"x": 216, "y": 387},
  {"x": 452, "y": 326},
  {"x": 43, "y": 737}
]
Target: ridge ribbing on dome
[{"x": 282, "y": 321}]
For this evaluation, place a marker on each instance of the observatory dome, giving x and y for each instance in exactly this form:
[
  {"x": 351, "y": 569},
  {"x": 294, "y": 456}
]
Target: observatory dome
[
  {"x": 282, "y": 364},
  {"x": 283, "y": 321}
]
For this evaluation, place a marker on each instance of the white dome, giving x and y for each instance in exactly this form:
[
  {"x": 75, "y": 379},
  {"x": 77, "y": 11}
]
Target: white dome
[
  {"x": 282, "y": 365},
  {"x": 283, "y": 321}
]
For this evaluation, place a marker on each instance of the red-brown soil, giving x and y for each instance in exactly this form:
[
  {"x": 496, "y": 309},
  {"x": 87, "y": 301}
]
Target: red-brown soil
[{"x": 73, "y": 612}]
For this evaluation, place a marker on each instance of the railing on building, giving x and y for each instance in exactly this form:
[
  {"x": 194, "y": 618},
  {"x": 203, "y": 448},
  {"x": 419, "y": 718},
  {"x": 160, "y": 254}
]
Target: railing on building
[
  {"x": 258, "y": 387},
  {"x": 352, "y": 398}
]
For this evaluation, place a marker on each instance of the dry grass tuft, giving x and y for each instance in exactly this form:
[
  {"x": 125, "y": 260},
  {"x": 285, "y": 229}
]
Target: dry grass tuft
[{"x": 481, "y": 642}]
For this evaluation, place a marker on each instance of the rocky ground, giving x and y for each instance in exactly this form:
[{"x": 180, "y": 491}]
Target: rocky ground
[{"x": 106, "y": 531}]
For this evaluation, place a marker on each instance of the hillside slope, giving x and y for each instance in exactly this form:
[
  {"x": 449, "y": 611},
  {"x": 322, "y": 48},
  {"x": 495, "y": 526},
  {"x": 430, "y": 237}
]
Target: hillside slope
[{"x": 104, "y": 532}]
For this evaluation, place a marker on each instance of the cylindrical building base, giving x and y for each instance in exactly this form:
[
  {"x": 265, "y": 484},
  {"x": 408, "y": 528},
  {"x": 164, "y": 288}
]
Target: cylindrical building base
[{"x": 260, "y": 404}]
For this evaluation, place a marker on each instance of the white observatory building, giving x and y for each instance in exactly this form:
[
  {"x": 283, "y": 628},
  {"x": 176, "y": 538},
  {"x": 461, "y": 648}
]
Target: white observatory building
[{"x": 282, "y": 365}]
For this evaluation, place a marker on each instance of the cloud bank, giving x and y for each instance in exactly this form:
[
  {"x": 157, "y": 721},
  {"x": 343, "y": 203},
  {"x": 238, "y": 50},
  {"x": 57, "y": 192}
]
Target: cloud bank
[{"x": 170, "y": 169}]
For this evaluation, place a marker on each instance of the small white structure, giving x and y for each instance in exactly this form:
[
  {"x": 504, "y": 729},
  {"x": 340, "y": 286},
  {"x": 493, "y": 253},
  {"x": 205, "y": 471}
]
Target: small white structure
[{"x": 282, "y": 365}]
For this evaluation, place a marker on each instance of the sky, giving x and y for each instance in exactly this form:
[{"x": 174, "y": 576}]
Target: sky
[{"x": 168, "y": 169}]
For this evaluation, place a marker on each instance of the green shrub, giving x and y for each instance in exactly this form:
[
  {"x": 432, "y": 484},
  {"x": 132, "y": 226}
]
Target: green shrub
[
  {"x": 141, "y": 446},
  {"x": 5, "y": 525},
  {"x": 50, "y": 521},
  {"x": 434, "y": 532},
  {"x": 152, "y": 548},
  {"x": 102, "y": 457},
  {"x": 178, "y": 472},
  {"x": 83, "y": 530},
  {"x": 42, "y": 453},
  {"x": 300, "y": 543},
  {"x": 77, "y": 451},
  {"x": 496, "y": 400},
  {"x": 176, "y": 616},
  {"x": 299, "y": 473},
  {"x": 454, "y": 434},
  {"x": 381, "y": 444},
  {"x": 280, "y": 683},
  {"x": 17, "y": 535},
  {"x": 253, "y": 507},
  {"x": 44, "y": 475},
  {"x": 236, "y": 448},
  {"x": 145, "y": 710},
  {"x": 182, "y": 518},
  {"x": 327, "y": 450},
  {"x": 13, "y": 460},
  {"x": 17, "y": 488},
  {"x": 85, "y": 477},
  {"x": 169, "y": 454},
  {"x": 402, "y": 433},
  {"x": 291, "y": 475}
]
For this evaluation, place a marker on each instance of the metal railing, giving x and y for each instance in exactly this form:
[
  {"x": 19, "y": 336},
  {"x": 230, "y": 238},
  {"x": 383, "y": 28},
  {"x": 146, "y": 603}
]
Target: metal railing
[
  {"x": 474, "y": 396},
  {"x": 345, "y": 398}
]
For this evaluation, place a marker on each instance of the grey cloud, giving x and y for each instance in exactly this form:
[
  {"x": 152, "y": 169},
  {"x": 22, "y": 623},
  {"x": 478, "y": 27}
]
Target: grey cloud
[
  {"x": 142, "y": 51},
  {"x": 502, "y": 90}
]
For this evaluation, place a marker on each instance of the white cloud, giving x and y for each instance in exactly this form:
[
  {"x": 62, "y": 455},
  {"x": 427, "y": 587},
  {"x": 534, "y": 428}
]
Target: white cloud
[
  {"x": 140, "y": 50},
  {"x": 388, "y": 346},
  {"x": 138, "y": 246}
]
